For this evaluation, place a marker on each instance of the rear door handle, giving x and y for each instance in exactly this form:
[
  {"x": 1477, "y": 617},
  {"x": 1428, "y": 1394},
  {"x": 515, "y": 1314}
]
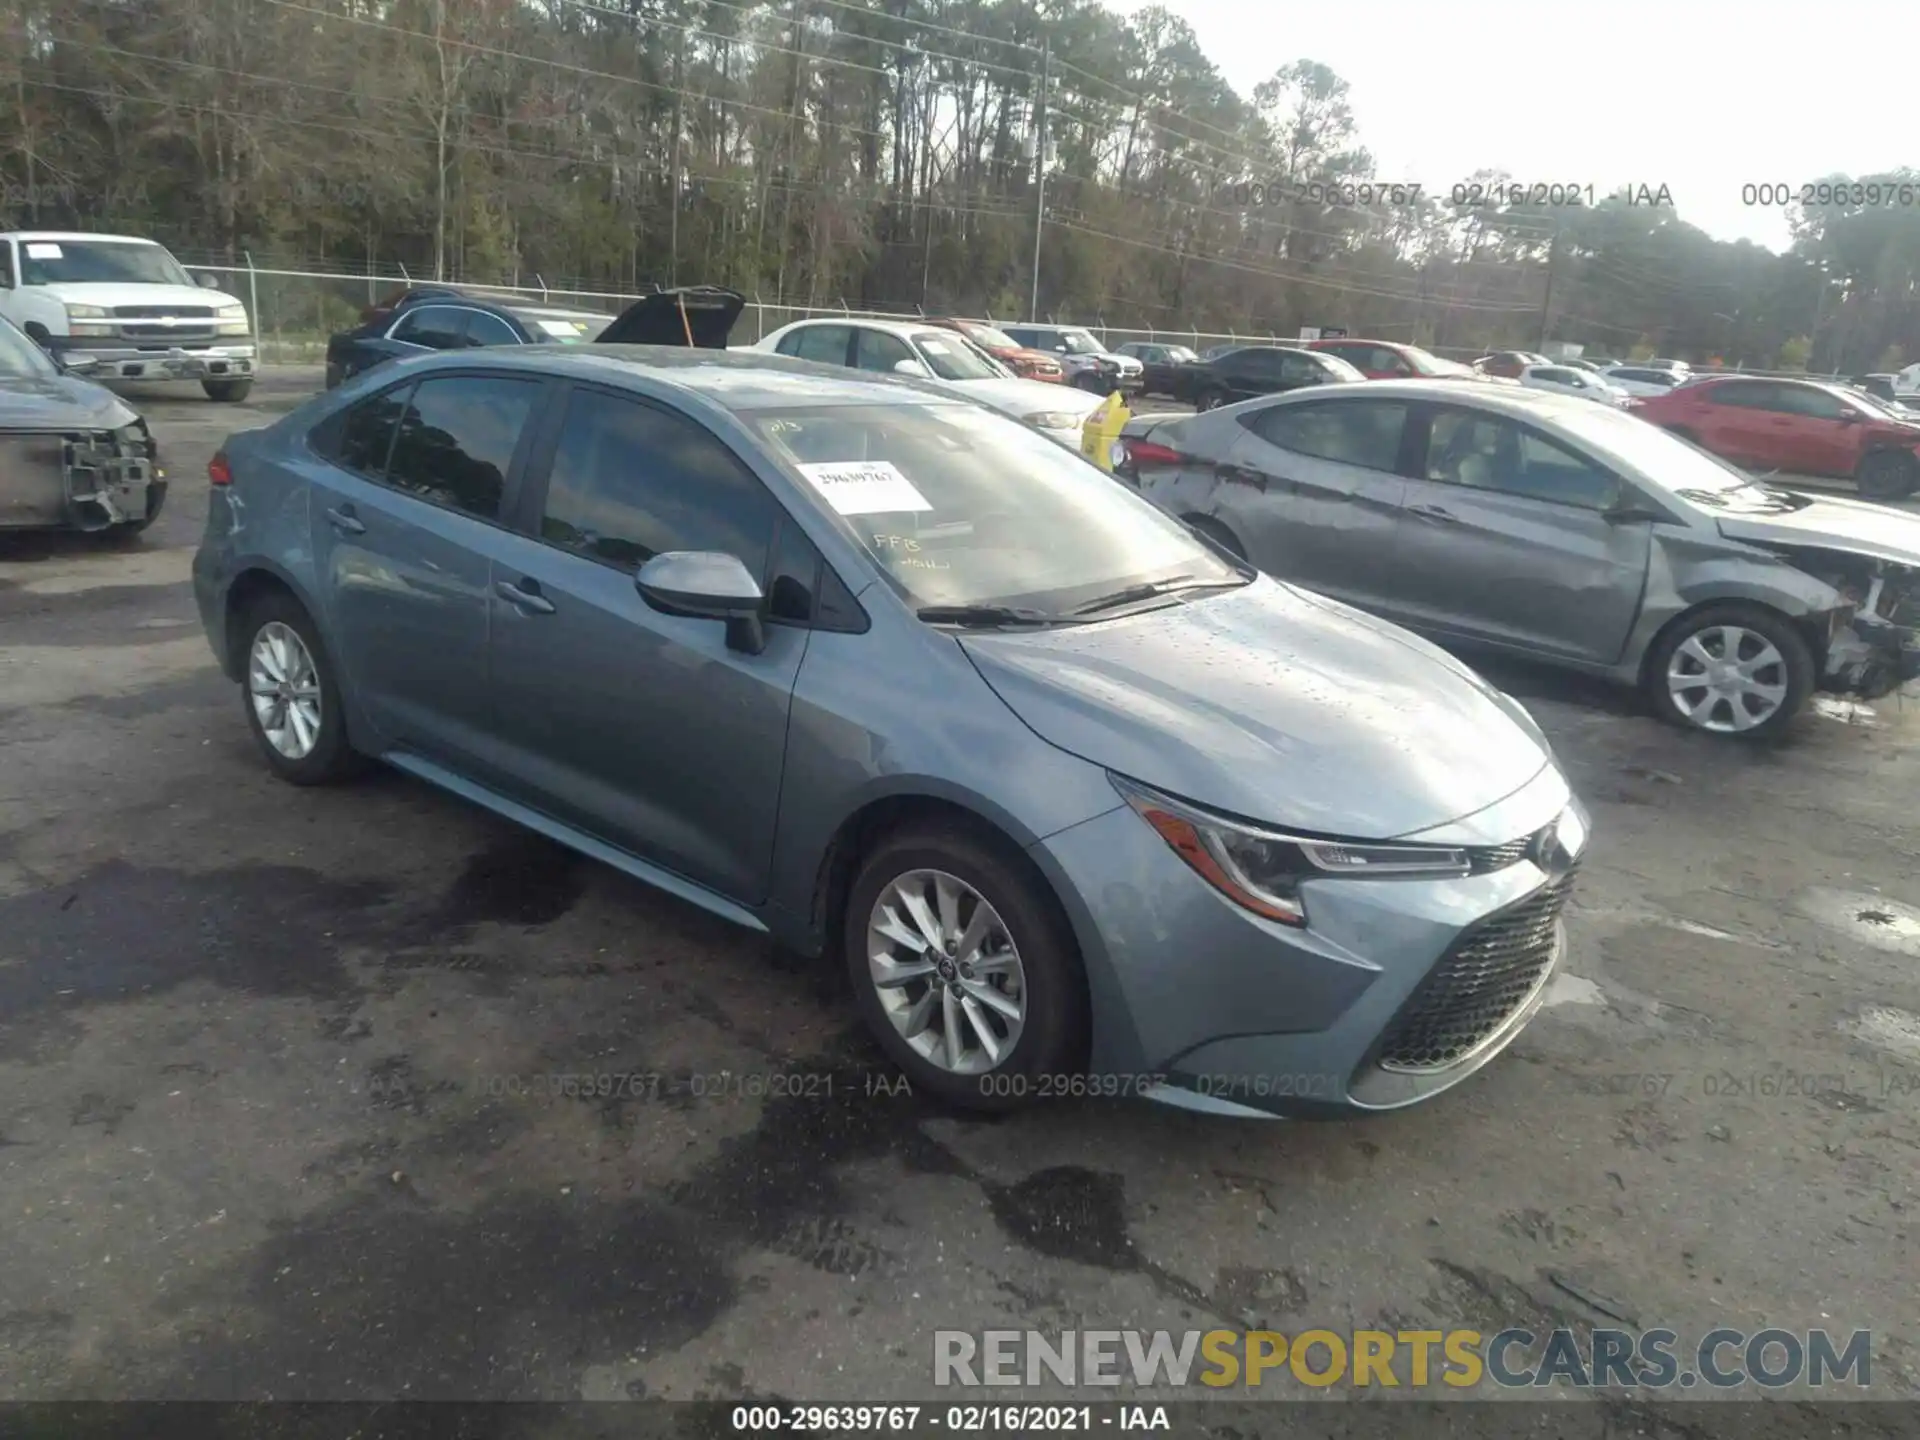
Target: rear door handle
[
  {"x": 528, "y": 602},
  {"x": 1434, "y": 513},
  {"x": 345, "y": 521}
]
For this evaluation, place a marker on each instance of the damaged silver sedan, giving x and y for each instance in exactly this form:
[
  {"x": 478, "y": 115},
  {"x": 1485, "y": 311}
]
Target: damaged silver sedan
[
  {"x": 73, "y": 455},
  {"x": 1555, "y": 529}
]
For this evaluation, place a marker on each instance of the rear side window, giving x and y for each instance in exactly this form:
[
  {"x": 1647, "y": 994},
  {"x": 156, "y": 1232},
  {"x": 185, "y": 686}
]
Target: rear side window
[
  {"x": 630, "y": 481},
  {"x": 485, "y": 329},
  {"x": 825, "y": 343},
  {"x": 1743, "y": 394},
  {"x": 457, "y": 438},
  {"x": 1352, "y": 432},
  {"x": 361, "y": 438}
]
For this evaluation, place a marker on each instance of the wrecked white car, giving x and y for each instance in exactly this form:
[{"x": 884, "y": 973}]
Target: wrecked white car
[
  {"x": 73, "y": 455},
  {"x": 1553, "y": 528}
]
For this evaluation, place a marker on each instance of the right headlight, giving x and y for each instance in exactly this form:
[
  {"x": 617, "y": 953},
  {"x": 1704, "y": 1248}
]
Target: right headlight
[
  {"x": 1052, "y": 420},
  {"x": 1262, "y": 870},
  {"x": 86, "y": 312}
]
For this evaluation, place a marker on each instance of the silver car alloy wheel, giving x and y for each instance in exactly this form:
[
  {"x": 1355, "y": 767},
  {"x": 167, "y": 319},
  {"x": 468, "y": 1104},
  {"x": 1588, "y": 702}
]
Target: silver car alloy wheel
[
  {"x": 947, "y": 971},
  {"x": 284, "y": 685},
  {"x": 1727, "y": 678}
]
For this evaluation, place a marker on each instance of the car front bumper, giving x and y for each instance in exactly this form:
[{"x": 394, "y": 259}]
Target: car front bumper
[
  {"x": 120, "y": 359},
  {"x": 1395, "y": 992},
  {"x": 79, "y": 480}
]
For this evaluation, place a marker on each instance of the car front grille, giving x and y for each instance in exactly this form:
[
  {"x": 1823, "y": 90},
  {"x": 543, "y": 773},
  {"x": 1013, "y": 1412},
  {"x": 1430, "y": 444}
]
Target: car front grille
[
  {"x": 1477, "y": 985},
  {"x": 162, "y": 312},
  {"x": 166, "y": 332}
]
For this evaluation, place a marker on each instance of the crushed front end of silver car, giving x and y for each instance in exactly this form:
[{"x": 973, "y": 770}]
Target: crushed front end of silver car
[
  {"x": 1873, "y": 636},
  {"x": 78, "y": 479}
]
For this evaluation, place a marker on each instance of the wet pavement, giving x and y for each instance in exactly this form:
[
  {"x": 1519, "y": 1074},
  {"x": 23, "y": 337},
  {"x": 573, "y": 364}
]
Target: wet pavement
[{"x": 281, "y": 1113}]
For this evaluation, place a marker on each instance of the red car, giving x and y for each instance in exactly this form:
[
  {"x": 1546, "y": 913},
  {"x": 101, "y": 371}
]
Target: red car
[
  {"x": 1802, "y": 427},
  {"x": 1387, "y": 360},
  {"x": 1027, "y": 364}
]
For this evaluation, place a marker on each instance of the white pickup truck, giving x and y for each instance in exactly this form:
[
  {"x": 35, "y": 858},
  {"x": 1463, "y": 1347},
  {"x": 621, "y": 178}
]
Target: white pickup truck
[{"x": 117, "y": 307}]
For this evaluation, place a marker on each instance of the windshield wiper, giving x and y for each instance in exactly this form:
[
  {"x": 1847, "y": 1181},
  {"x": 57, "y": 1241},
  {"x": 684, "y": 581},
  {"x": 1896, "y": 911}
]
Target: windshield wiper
[
  {"x": 984, "y": 615},
  {"x": 1151, "y": 589}
]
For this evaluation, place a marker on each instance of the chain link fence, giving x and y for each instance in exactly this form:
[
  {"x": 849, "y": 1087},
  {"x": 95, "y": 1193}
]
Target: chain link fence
[{"x": 295, "y": 311}]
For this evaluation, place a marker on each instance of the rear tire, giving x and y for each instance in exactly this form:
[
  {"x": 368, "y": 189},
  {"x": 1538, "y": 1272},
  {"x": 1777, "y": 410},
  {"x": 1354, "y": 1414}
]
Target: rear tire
[
  {"x": 308, "y": 748},
  {"x": 1887, "y": 475},
  {"x": 1015, "y": 972},
  {"x": 1762, "y": 643},
  {"x": 229, "y": 392},
  {"x": 1209, "y": 400}
]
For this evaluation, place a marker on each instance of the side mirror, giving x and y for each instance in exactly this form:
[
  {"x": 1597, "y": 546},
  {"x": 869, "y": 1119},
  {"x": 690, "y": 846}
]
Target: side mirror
[
  {"x": 710, "y": 585},
  {"x": 207, "y": 282},
  {"x": 77, "y": 364},
  {"x": 910, "y": 367},
  {"x": 1849, "y": 417}
]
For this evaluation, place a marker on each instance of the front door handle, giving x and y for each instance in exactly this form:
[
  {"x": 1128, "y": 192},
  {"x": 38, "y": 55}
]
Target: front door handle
[
  {"x": 527, "y": 601},
  {"x": 1434, "y": 513},
  {"x": 345, "y": 521}
]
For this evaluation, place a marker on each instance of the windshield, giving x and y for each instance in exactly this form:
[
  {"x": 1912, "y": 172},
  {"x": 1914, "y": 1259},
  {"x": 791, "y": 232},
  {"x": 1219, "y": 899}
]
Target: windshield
[
  {"x": 20, "y": 358},
  {"x": 1428, "y": 364},
  {"x": 1670, "y": 463},
  {"x": 987, "y": 335},
  {"x": 951, "y": 358},
  {"x": 958, "y": 505},
  {"x": 1079, "y": 342},
  {"x": 1872, "y": 404},
  {"x": 54, "y": 262}
]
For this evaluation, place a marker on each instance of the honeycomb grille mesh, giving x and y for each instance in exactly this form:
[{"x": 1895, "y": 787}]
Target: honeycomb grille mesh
[{"x": 1476, "y": 986}]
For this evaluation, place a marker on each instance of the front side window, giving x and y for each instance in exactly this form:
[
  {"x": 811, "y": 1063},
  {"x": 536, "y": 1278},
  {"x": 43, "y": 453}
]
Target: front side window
[
  {"x": 878, "y": 351},
  {"x": 957, "y": 505},
  {"x": 1812, "y": 402},
  {"x": 457, "y": 439},
  {"x": 485, "y": 329},
  {"x": 1486, "y": 452},
  {"x": 630, "y": 481},
  {"x": 436, "y": 327},
  {"x": 1351, "y": 432}
]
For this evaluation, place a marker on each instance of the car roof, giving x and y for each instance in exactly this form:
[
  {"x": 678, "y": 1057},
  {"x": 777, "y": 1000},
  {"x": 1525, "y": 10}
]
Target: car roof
[
  {"x": 77, "y": 235},
  {"x": 903, "y": 328},
  {"x": 1514, "y": 400},
  {"x": 737, "y": 380}
]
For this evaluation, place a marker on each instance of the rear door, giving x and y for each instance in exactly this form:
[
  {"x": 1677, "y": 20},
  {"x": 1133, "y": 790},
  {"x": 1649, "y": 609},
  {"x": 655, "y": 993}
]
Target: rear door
[
  {"x": 406, "y": 515},
  {"x": 645, "y": 729},
  {"x": 1317, "y": 492},
  {"x": 1506, "y": 537},
  {"x": 1826, "y": 433},
  {"x": 1741, "y": 420}
]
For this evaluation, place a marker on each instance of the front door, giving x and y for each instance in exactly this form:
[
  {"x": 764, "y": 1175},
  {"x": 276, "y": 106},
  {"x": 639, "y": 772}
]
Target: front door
[
  {"x": 403, "y": 515},
  {"x": 642, "y": 728},
  {"x": 1506, "y": 537}
]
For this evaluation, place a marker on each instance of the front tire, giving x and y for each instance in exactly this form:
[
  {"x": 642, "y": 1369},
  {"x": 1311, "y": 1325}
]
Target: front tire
[
  {"x": 230, "y": 392},
  {"x": 1887, "y": 475},
  {"x": 292, "y": 697},
  {"x": 964, "y": 970},
  {"x": 1738, "y": 670},
  {"x": 1209, "y": 400}
]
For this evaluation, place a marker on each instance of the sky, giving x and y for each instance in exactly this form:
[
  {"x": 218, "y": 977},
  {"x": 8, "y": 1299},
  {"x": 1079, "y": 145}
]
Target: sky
[{"x": 1701, "y": 96}]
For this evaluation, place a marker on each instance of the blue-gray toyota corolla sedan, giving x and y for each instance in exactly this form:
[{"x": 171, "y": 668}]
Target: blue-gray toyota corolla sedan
[{"x": 1086, "y": 805}]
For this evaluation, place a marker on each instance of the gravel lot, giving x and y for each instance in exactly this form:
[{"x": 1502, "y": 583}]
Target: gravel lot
[{"x": 262, "y": 1055}]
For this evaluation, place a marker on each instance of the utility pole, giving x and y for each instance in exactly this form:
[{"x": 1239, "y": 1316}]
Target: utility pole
[
  {"x": 1039, "y": 176},
  {"x": 1546, "y": 300},
  {"x": 679, "y": 85}
]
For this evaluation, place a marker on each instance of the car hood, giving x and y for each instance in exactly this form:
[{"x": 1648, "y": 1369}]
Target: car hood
[
  {"x": 60, "y": 402},
  {"x": 1878, "y": 531},
  {"x": 1273, "y": 704},
  {"x": 1027, "y": 356},
  {"x": 108, "y": 295},
  {"x": 1028, "y": 397}
]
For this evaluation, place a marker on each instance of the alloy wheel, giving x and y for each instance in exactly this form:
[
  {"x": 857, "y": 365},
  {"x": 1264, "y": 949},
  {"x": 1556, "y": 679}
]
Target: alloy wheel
[
  {"x": 947, "y": 971},
  {"x": 283, "y": 685},
  {"x": 1727, "y": 678}
]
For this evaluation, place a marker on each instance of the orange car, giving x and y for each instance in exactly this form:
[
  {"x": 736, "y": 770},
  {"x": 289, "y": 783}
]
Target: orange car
[{"x": 1027, "y": 364}]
